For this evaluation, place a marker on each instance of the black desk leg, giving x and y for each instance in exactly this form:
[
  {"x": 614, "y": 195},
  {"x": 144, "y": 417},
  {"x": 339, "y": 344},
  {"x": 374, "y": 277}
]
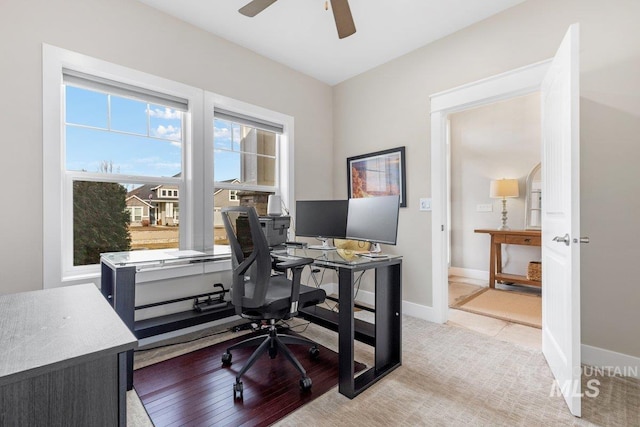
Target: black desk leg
[
  {"x": 346, "y": 364},
  {"x": 388, "y": 317},
  {"x": 118, "y": 287},
  {"x": 388, "y": 328}
]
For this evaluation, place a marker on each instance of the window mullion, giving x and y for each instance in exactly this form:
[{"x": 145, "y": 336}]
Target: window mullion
[{"x": 108, "y": 112}]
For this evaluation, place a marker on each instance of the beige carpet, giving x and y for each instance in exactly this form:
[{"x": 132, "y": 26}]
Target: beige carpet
[
  {"x": 450, "y": 377},
  {"x": 511, "y": 306}
]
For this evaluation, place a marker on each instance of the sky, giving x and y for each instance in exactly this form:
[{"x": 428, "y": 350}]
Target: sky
[{"x": 144, "y": 139}]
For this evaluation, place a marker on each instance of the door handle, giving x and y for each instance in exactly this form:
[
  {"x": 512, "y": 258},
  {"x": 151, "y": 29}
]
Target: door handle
[
  {"x": 581, "y": 240},
  {"x": 564, "y": 239}
]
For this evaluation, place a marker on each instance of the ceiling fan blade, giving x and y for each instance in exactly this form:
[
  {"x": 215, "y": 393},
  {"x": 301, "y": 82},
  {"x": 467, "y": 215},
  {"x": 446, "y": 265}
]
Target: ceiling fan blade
[
  {"x": 344, "y": 20},
  {"x": 253, "y": 8}
]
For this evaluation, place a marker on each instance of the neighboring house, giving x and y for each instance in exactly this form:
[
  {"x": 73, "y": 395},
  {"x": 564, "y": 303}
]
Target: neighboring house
[
  {"x": 139, "y": 210},
  {"x": 160, "y": 205},
  {"x": 221, "y": 199}
]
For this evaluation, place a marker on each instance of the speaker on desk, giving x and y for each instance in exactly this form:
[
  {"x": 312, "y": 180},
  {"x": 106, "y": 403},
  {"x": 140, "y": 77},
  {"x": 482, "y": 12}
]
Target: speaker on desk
[{"x": 274, "y": 205}]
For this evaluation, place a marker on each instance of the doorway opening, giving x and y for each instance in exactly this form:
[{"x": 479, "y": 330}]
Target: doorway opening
[
  {"x": 487, "y": 144},
  {"x": 502, "y": 87}
]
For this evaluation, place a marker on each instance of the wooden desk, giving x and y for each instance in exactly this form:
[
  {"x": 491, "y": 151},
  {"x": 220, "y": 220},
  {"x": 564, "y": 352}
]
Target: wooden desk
[
  {"x": 62, "y": 359},
  {"x": 509, "y": 237}
]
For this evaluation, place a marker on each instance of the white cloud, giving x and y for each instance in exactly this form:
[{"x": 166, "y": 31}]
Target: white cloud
[
  {"x": 168, "y": 132},
  {"x": 220, "y": 132},
  {"x": 155, "y": 163},
  {"x": 167, "y": 113}
]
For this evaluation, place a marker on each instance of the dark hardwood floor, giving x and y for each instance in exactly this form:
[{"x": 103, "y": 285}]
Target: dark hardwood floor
[{"x": 196, "y": 390}]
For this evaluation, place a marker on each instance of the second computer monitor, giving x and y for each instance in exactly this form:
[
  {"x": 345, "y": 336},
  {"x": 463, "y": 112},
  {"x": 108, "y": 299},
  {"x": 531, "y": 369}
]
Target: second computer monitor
[
  {"x": 374, "y": 219},
  {"x": 322, "y": 219}
]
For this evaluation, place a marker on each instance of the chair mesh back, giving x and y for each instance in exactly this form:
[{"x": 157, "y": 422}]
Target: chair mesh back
[{"x": 250, "y": 256}]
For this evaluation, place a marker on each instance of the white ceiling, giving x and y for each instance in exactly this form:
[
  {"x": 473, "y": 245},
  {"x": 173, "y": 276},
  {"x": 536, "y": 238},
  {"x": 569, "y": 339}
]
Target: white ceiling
[{"x": 302, "y": 35}]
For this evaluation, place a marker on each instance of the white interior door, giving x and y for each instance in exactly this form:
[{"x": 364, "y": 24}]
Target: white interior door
[{"x": 561, "y": 219}]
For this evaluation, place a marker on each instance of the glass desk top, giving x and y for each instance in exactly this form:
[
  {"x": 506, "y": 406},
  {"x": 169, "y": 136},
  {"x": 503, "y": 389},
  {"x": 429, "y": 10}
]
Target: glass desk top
[
  {"x": 160, "y": 257},
  {"x": 335, "y": 257}
]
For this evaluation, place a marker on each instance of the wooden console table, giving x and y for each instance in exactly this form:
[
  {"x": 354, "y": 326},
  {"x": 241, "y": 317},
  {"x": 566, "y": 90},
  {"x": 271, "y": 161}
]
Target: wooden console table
[{"x": 509, "y": 237}]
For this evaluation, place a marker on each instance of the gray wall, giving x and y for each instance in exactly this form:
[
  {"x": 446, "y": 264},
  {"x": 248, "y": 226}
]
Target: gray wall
[
  {"x": 130, "y": 34},
  {"x": 500, "y": 140},
  {"x": 389, "y": 106}
]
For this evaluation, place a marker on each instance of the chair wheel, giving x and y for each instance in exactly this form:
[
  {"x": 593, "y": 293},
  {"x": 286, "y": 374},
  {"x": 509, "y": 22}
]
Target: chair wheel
[
  {"x": 305, "y": 384},
  {"x": 237, "y": 390},
  {"x": 226, "y": 358},
  {"x": 273, "y": 352},
  {"x": 314, "y": 352}
]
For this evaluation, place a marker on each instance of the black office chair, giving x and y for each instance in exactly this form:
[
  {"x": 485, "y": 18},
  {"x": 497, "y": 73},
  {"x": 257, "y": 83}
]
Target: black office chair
[{"x": 259, "y": 295}]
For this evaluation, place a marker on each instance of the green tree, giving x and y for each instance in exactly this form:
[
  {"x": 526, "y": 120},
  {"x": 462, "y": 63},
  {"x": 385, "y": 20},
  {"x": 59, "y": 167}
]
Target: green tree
[{"x": 100, "y": 220}]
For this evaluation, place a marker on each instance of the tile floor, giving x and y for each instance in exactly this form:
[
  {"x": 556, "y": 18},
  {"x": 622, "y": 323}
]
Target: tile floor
[{"x": 498, "y": 329}]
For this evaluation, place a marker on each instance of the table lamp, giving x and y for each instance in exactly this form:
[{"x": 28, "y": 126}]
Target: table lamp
[{"x": 503, "y": 188}]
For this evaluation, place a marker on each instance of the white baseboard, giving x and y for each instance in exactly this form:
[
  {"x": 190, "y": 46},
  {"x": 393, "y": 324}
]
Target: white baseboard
[
  {"x": 618, "y": 363},
  {"x": 423, "y": 312},
  {"x": 469, "y": 273},
  {"x": 408, "y": 308}
]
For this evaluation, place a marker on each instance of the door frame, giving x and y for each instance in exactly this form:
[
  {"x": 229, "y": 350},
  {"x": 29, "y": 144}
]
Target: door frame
[{"x": 510, "y": 84}]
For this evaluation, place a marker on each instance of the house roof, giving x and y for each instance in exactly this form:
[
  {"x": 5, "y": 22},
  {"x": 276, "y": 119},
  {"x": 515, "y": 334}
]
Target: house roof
[
  {"x": 149, "y": 192},
  {"x": 136, "y": 197},
  {"x": 145, "y": 192},
  {"x": 230, "y": 181}
]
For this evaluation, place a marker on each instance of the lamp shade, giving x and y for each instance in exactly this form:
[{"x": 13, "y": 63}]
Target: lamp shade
[{"x": 504, "y": 188}]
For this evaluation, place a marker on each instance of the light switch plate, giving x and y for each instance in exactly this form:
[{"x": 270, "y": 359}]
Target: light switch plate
[{"x": 425, "y": 204}]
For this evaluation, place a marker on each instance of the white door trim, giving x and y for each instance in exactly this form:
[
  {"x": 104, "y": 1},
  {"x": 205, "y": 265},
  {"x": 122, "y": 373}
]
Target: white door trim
[{"x": 520, "y": 81}]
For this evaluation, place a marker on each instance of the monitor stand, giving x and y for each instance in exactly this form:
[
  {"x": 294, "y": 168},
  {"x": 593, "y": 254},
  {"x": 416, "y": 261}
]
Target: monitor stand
[
  {"x": 375, "y": 252},
  {"x": 325, "y": 246}
]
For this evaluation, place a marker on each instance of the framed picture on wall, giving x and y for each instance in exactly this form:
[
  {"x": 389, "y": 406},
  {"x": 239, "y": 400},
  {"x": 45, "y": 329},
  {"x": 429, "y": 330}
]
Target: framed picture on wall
[{"x": 377, "y": 174}]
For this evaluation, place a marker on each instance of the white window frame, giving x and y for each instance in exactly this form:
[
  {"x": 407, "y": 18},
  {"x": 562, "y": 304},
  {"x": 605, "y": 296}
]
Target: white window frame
[
  {"x": 58, "y": 269},
  {"x": 133, "y": 209},
  {"x": 196, "y": 210},
  {"x": 233, "y": 195}
]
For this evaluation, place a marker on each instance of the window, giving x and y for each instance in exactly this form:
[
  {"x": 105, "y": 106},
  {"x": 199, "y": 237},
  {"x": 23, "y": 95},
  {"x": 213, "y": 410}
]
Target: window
[
  {"x": 169, "y": 193},
  {"x": 136, "y": 213},
  {"x": 112, "y": 131},
  {"x": 117, "y": 146},
  {"x": 245, "y": 163}
]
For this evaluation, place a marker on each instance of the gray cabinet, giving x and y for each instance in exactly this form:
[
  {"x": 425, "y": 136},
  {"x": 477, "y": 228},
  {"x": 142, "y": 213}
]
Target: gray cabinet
[{"x": 62, "y": 359}]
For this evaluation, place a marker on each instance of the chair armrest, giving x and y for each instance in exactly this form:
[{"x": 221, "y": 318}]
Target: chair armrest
[
  {"x": 296, "y": 266},
  {"x": 293, "y": 263}
]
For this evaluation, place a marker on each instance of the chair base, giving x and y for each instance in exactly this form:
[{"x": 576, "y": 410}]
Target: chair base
[{"x": 272, "y": 343}]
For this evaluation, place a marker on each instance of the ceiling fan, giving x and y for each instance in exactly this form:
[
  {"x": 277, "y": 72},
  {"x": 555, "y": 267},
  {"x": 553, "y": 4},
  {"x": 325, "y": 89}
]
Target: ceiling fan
[{"x": 341, "y": 14}]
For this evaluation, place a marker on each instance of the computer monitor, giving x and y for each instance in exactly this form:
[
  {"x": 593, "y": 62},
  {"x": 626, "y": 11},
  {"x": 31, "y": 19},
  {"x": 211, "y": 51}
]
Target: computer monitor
[
  {"x": 374, "y": 219},
  {"x": 322, "y": 219}
]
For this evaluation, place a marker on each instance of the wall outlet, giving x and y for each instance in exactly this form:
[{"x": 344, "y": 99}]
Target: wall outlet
[
  {"x": 484, "y": 208},
  {"x": 425, "y": 204}
]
